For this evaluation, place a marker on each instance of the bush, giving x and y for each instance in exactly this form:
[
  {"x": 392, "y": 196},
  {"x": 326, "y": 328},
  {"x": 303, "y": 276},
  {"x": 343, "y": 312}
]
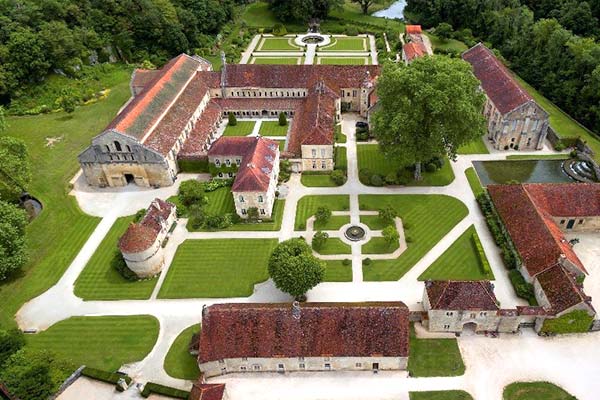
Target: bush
[
  {"x": 231, "y": 119},
  {"x": 279, "y": 30},
  {"x": 430, "y": 167},
  {"x": 391, "y": 179},
  {"x": 367, "y": 261},
  {"x": 164, "y": 390},
  {"x": 193, "y": 166},
  {"x": 338, "y": 177},
  {"x": 323, "y": 214},
  {"x": 390, "y": 235},
  {"x": 351, "y": 31},
  {"x": 319, "y": 240},
  {"x": 362, "y": 136},
  {"x": 376, "y": 180},
  {"x": 388, "y": 213},
  {"x": 104, "y": 376},
  {"x": 192, "y": 192},
  {"x": 559, "y": 146},
  {"x": 364, "y": 175},
  {"x": 217, "y": 222},
  {"x": 483, "y": 261},
  {"x": 253, "y": 213},
  {"x": 119, "y": 264},
  {"x": 523, "y": 289},
  {"x": 408, "y": 239},
  {"x": 346, "y": 262}
]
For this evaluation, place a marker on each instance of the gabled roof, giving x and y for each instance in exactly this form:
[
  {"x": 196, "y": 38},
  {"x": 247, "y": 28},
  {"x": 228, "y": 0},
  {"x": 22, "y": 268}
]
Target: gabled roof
[
  {"x": 560, "y": 289},
  {"x": 412, "y": 29},
  {"x": 207, "y": 391},
  {"x": 142, "y": 235},
  {"x": 314, "y": 330},
  {"x": 461, "y": 295},
  {"x": 414, "y": 50},
  {"x": 497, "y": 82},
  {"x": 567, "y": 199}
]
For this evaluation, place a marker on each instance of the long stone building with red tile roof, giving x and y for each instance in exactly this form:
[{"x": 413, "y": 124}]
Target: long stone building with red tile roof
[
  {"x": 279, "y": 337},
  {"x": 515, "y": 120},
  {"x": 175, "y": 113}
]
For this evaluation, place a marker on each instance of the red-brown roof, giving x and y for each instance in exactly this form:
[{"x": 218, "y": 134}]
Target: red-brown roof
[
  {"x": 567, "y": 199},
  {"x": 319, "y": 329},
  {"x": 497, "y": 82},
  {"x": 142, "y": 235},
  {"x": 461, "y": 295},
  {"x": 207, "y": 391},
  {"x": 413, "y": 50},
  {"x": 560, "y": 289},
  {"x": 196, "y": 145},
  {"x": 142, "y": 77},
  {"x": 412, "y": 29}
]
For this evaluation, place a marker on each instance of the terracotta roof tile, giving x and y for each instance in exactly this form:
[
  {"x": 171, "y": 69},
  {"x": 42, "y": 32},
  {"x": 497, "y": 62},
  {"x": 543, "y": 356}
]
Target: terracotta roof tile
[
  {"x": 414, "y": 50},
  {"x": 560, "y": 289},
  {"x": 196, "y": 145},
  {"x": 461, "y": 295},
  {"x": 142, "y": 77},
  {"x": 332, "y": 329},
  {"x": 142, "y": 235},
  {"x": 207, "y": 391},
  {"x": 412, "y": 29}
]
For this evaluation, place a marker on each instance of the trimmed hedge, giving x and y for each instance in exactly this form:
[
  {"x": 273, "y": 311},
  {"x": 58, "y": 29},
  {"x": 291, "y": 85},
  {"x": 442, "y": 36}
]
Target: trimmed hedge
[
  {"x": 483, "y": 261},
  {"x": 577, "y": 321},
  {"x": 193, "y": 166},
  {"x": 152, "y": 387},
  {"x": 523, "y": 289},
  {"x": 104, "y": 376}
]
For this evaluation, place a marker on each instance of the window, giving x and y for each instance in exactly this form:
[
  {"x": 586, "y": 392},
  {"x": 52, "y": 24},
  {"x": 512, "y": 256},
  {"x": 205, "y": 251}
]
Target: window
[
  {"x": 358, "y": 365},
  {"x": 242, "y": 368},
  {"x": 129, "y": 148},
  {"x": 228, "y": 162},
  {"x": 117, "y": 145},
  {"x": 314, "y": 165},
  {"x": 482, "y": 314},
  {"x": 220, "y": 175},
  {"x": 221, "y": 361},
  {"x": 323, "y": 164},
  {"x": 262, "y": 211},
  {"x": 472, "y": 315},
  {"x": 217, "y": 162},
  {"x": 562, "y": 221},
  {"x": 244, "y": 212},
  {"x": 354, "y": 93},
  {"x": 449, "y": 313},
  {"x": 107, "y": 149},
  {"x": 230, "y": 174},
  {"x": 580, "y": 221},
  {"x": 280, "y": 366},
  {"x": 302, "y": 366},
  {"x": 327, "y": 366},
  {"x": 244, "y": 358},
  {"x": 241, "y": 198},
  {"x": 314, "y": 152},
  {"x": 322, "y": 153},
  {"x": 238, "y": 161},
  {"x": 256, "y": 367},
  {"x": 260, "y": 199},
  {"x": 446, "y": 326},
  {"x": 301, "y": 359}
]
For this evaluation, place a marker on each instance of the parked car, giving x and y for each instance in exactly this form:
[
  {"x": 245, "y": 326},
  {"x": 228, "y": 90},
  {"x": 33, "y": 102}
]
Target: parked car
[{"x": 362, "y": 125}]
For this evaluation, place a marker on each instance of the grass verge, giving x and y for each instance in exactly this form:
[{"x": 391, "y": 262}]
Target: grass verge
[
  {"x": 179, "y": 363},
  {"x": 307, "y": 206},
  {"x": 434, "y": 357},
  {"x": 535, "y": 391}
]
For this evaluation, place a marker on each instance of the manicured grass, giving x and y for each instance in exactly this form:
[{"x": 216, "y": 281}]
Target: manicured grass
[
  {"x": 538, "y": 157},
  {"x": 447, "y": 44},
  {"x": 351, "y": 43},
  {"x": 474, "y": 182},
  {"x": 341, "y": 159},
  {"x": 561, "y": 122},
  {"x": 100, "y": 281},
  {"x": 307, "y": 206},
  {"x": 335, "y": 246},
  {"x": 343, "y": 60},
  {"x": 350, "y": 12},
  {"x": 459, "y": 262},
  {"x": 336, "y": 271},
  {"x": 55, "y": 237},
  {"x": 426, "y": 218},
  {"x": 340, "y": 137},
  {"x": 99, "y": 342},
  {"x": 535, "y": 391},
  {"x": 332, "y": 224},
  {"x": 276, "y": 60},
  {"x": 475, "y": 147},
  {"x": 378, "y": 245},
  {"x": 434, "y": 357},
  {"x": 373, "y": 222},
  {"x": 272, "y": 128},
  {"x": 220, "y": 201},
  {"x": 441, "y": 395},
  {"x": 277, "y": 44},
  {"x": 217, "y": 268},
  {"x": 317, "y": 180},
  {"x": 243, "y": 128},
  {"x": 370, "y": 157},
  {"x": 281, "y": 145},
  {"x": 179, "y": 363},
  {"x": 258, "y": 14}
]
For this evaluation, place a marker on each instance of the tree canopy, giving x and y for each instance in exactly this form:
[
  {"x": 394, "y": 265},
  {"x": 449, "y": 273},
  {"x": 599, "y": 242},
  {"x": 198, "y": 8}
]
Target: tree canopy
[
  {"x": 15, "y": 172},
  {"x": 294, "y": 269},
  {"x": 13, "y": 221},
  {"x": 366, "y": 4},
  {"x": 303, "y": 10},
  {"x": 429, "y": 108}
]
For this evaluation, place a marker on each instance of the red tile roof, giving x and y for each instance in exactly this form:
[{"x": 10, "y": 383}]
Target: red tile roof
[
  {"x": 321, "y": 329},
  {"x": 461, "y": 295},
  {"x": 258, "y": 157},
  {"x": 195, "y": 147},
  {"x": 142, "y": 235},
  {"x": 497, "y": 82},
  {"x": 207, "y": 391},
  {"x": 142, "y": 77},
  {"x": 567, "y": 199},
  {"x": 560, "y": 289},
  {"x": 412, "y": 29},
  {"x": 414, "y": 50}
]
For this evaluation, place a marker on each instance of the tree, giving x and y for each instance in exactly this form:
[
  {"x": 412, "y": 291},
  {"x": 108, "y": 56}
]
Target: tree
[
  {"x": 323, "y": 214},
  {"x": 282, "y": 119},
  {"x": 319, "y": 240},
  {"x": 66, "y": 101},
  {"x": 192, "y": 192},
  {"x": 365, "y": 4},
  {"x": 294, "y": 269},
  {"x": 10, "y": 342},
  {"x": 13, "y": 221},
  {"x": 303, "y": 10},
  {"x": 430, "y": 107},
  {"x": 444, "y": 31},
  {"x": 3, "y": 123},
  {"x": 15, "y": 173},
  {"x": 390, "y": 234},
  {"x": 232, "y": 120},
  {"x": 387, "y": 213}
]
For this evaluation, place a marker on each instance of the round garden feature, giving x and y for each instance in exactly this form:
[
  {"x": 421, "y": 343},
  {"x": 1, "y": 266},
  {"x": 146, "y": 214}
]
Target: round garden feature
[
  {"x": 313, "y": 39},
  {"x": 355, "y": 233}
]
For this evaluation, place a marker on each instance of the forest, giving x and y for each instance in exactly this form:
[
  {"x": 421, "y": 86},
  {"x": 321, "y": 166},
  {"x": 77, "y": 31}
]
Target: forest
[{"x": 552, "y": 44}]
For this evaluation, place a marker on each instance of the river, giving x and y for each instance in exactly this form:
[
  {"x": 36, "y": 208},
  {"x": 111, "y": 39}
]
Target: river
[{"x": 396, "y": 10}]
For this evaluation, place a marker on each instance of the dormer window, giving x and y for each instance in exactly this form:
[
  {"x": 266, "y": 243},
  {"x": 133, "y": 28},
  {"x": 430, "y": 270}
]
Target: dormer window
[
  {"x": 117, "y": 145},
  {"x": 228, "y": 162},
  {"x": 218, "y": 162}
]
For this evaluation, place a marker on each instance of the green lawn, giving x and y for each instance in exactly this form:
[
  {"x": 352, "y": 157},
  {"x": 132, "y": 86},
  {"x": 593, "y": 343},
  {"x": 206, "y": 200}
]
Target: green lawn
[
  {"x": 441, "y": 395},
  {"x": 350, "y": 12},
  {"x": 278, "y": 44},
  {"x": 307, "y": 206},
  {"x": 459, "y": 262},
  {"x": 323, "y": 180},
  {"x": 537, "y": 157},
  {"x": 447, "y": 45},
  {"x": 474, "y": 182},
  {"x": 335, "y": 246},
  {"x": 434, "y": 357},
  {"x": 276, "y": 60},
  {"x": 343, "y": 60},
  {"x": 341, "y": 159},
  {"x": 99, "y": 342},
  {"x": 258, "y": 15},
  {"x": 243, "y": 128},
  {"x": 333, "y": 224},
  {"x": 475, "y": 147},
  {"x": 100, "y": 281},
  {"x": 281, "y": 145},
  {"x": 371, "y": 158},
  {"x": 340, "y": 137},
  {"x": 351, "y": 43},
  {"x": 378, "y": 245},
  {"x": 535, "y": 391},
  {"x": 55, "y": 237},
  {"x": 272, "y": 128},
  {"x": 179, "y": 363},
  {"x": 217, "y": 268},
  {"x": 373, "y": 222},
  {"x": 426, "y": 218},
  {"x": 336, "y": 271}
]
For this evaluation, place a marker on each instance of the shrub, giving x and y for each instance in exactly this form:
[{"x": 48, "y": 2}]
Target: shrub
[
  {"x": 302, "y": 226},
  {"x": 193, "y": 166},
  {"x": 430, "y": 167},
  {"x": 444, "y": 31},
  {"x": 408, "y": 239},
  {"x": 252, "y": 213},
  {"x": 376, "y": 180},
  {"x": 559, "y": 146},
  {"x": 192, "y": 192},
  {"x": 319, "y": 240},
  {"x": 338, "y": 177},
  {"x": 346, "y": 261},
  {"x": 119, "y": 264},
  {"x": 362, "y": 136},
  {"x": 364, "y": 175},
  {"x": 483, "y": 261},
  {"x": 217, "y": 222},
  {"x": 351, "y": 31},
  {"x": 104, "y": 376},
  {"x": 523, "y": 289},
  {"x": 323, "y": 214},
  {"x": 282, "y": 119},
  {"x": 390, "y": 234},
  {"x": 367, "y": 261},
  {"x": 573, "y": 154},
  {"x": 152, "y": 387},
  {"x": 279, "y": 30},
  {"x": 390, "y": 178},
  {"x": 388, "y": 213},
  {"x": 231, "y": 119}
]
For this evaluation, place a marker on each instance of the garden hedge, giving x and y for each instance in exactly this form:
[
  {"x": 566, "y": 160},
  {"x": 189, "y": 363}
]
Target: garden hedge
[{"x": 152, "y": 387}]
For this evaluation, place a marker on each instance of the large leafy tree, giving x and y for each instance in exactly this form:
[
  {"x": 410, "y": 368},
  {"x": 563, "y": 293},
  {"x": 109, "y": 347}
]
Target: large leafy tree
[
  {"x": 11, "y": 341},
  {"x": 365, "y": 4},
  {"x": 429, "y": 108},
  {"x": 15, "y": 173},
  {"x": 294, "y": 269},
  {"x": 13, "y": 221}
]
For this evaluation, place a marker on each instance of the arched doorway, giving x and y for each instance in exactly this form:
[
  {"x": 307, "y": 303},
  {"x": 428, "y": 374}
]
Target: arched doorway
[
  {"x": 265, "y": 113},
  {"x": 469, "y": 327}
]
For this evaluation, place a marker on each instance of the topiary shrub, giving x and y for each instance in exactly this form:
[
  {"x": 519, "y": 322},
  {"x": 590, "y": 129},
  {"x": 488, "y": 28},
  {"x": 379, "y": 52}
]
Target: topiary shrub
[
  {"x": 367, "y": 261},
  {"x": 282, "y": 119},
  {"x": 338, "y": 177},
  {"x": 119, "y": 264},
  {"x": 346, "y": 261},
  {"x": 279, "y": 30},
  {"x": 231, "y": 119},
  {"x": 376, "y": 180}
]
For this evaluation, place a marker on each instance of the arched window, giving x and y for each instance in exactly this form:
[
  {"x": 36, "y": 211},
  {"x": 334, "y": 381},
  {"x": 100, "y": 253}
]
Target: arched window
[
  {"x": 128, "y": 148},
  {"x": 107, "y": 149},
  {"x": 117, "y": 145}
]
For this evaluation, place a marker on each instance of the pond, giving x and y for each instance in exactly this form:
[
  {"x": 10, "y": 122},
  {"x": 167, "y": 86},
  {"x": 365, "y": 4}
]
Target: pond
[
  {"x": 396, "y": 10},
  {"x": 522, "y": 171}
]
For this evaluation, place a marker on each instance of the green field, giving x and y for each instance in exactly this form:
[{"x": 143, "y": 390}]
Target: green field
[
  {"x": 272, "y": 128},
  {"x": 179, "y": 363},
  {"x": 100, "y": 281},
  {"x": 374, "y": 222},
  {"x": 371, "y": 158},
  {"x": 243, "y": 128},
  {"x": 475, "y": 147},
  {"x": 441, "y": 395},
  {"x": 459, "y": 262},
  {"x": 335, "y": 246},
  {"x": 99, "y": 342},
  {"x": 351, "y": 13},
  {"x": 322, "y": 180},
  {"x": 447, "y": 44},
  {"x": 336, "y": 271},
  {"x": 55, "y": 237},
  {"x": 307, "y": 206},
  {"x": 474, "y": 182},
  {"x": 378, "y": 245},
  {"x": 332, "y": 224},
  {"x": 278, "y": 44},
  {"x": 434, "y": 357},
  {"x": 217, "y": 268},
  {"x": 426, "y": 218},
  {"x": 343, "y": 60},
  {"x": 276, "y": 60},
  {"x": 352, "y": 43},
  {"x": 341, "y": 159},
  {"x": 535, "y": 391}
]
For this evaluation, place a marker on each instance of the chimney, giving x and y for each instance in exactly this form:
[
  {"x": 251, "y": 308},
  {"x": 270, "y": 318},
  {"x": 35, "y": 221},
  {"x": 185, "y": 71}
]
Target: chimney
[{"x": 296, "y": 312}]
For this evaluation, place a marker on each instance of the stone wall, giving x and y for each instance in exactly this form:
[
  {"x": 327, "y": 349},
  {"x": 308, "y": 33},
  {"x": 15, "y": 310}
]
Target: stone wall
[
  {"x": 524, "y": 128},
  {"x": 317, "y": 158}
]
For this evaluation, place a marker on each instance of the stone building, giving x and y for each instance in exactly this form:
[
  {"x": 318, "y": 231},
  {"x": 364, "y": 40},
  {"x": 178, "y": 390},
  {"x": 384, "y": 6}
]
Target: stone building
[
  {"x": 141, "y": 245},
  {"x": 175, "y": 112},
  {"x": 515, "y": 120},
  {"x": 416, "y": 44},
  {"x": 208, "y": 391},
  {"x": 254, "y": 163},
  {"x": 281, "y": 337}
]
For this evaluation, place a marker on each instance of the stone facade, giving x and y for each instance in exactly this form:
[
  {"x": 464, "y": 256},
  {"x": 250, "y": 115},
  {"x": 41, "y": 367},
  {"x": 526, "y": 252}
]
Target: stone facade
[
  {"x": 570, "y": 224},
  {"x": 317, "y": 158}
]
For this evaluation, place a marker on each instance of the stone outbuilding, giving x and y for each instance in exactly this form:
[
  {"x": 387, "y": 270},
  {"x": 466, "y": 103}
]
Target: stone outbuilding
[
  {"x": 142, "y": 243},
  {"x": 416, "y": 44},
  {"x": 280, "y": 337},
  {"x": 208, "y": 391}
]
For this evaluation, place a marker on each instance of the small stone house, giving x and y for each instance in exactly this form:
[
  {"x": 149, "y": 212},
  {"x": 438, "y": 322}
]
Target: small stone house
[
  {"x": 253, "y": 162},
  {"x": 141, "y": 245},
  {"x": 515, "y": 120},
  {"x": 416, "y": 44},
  {"x": 283, "y": 337}
]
